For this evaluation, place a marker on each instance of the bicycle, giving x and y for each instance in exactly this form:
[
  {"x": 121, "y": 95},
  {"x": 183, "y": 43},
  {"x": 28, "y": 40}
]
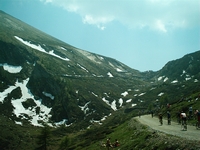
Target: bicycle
[
  {"x": 169, "y": 121},
  {"x": 161, "y": 122},
  {"x": 197, "y": 125},
  {"x": 160, "y": 119},
  {"x": 184, "y": 124}
]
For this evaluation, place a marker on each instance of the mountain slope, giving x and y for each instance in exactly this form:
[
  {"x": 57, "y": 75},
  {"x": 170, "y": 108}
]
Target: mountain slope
[
  {"x": 63, "y": 83},
  {"x": 177, "y": 80},
  {"x": 46, "y": 80}
]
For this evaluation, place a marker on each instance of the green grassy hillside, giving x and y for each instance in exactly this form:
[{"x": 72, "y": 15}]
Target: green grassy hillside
[{"x": 122, "y": 126}]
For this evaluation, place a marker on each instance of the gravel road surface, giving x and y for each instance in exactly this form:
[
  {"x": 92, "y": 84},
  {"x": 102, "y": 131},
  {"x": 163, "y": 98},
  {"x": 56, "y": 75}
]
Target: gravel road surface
[{"x": 174, "y": 129}]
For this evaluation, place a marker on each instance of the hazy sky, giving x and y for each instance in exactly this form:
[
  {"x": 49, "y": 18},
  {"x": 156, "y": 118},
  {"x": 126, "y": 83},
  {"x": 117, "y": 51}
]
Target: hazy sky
[{"x": 143, "y": 34}]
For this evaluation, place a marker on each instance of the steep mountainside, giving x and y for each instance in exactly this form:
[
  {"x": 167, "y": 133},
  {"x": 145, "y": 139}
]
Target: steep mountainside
[{"x": 44, "y": 79}]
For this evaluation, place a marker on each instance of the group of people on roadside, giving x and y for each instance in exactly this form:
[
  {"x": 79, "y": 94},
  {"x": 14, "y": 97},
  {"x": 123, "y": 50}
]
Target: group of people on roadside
[{"x": 110, "y": 145}]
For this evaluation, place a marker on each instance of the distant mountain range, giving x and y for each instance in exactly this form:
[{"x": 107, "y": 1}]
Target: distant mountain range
[{"x": 43, "y": 79}]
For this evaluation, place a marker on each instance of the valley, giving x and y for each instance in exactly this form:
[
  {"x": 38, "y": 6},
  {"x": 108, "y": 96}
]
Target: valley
[{"x": 56, "y": 96}]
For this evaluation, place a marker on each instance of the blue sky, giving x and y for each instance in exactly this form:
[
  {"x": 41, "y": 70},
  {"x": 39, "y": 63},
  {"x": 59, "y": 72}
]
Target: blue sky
[{"x": 143, "y": 34}]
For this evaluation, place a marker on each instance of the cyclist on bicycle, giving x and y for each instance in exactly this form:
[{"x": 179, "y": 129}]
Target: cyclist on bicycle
[
  {"x": 160, "y": 118},
  {"x": 183, "y": 120},
  {"x": 190, "y": 113},
  {"x": 168, "y": 118},
  {"x": 197, "y": 113}
]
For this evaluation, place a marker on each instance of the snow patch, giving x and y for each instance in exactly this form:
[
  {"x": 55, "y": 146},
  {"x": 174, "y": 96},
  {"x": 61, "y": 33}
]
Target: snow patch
[
  {"x": 119, "y": 70},
  {"x": 160, "y": 94},
  {"x": 94, "y": 94},
  {"x": 152, "y": 88},
  {"x": 106, "y": 101},
  {"x": 141, "y": 94},
  {"x": 101, "y": 58},
  {"x": 128, "y": 101},
  {"x": 160, "y": 78},
  {"x": 82, "y": 67},
  {"x": 62, "y": 48},
  {"x": 125, "y": 93},
  {"x": 85, "y": 108},
  {"x": 187, "y": 79},
  {"x": 19, "y": 109},
  {"x": 11, "y": 69},
  {"x": 48, "y": 95},
  {"x": 113, "y": 105},
  {"x": 109, "y": 74},
  {"x": 120, "y": 102},
  {"x": 175, "y": 81},
  {"x": 165, "y": 79},
  {"x": 104, "y": 118},
  {"x": 39, "y": 48},
  {"x": 134, "y": 105},
  {"x": 183, "y": 72},
  {"x": 18, "y": 122},
  {"x": 6, "y": 92},
  {"x": 63, "y": 122},
  {"x": 53, "y": 54},
  {"x": 111, "y": 64}
]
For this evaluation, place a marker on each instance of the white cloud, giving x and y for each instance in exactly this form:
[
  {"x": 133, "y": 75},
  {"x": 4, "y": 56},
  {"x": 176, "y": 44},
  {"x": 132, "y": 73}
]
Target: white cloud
[
  {"x": 161, "y": 15},
  {"x": 100, "y": 21},
  {"x": 160, "y": 26}
]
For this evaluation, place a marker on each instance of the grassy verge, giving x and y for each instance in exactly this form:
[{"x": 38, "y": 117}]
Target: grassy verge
[{"x": 133, "y": 135}]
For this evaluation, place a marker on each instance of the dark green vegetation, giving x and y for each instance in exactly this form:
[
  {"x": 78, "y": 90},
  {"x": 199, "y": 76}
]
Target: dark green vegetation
[
  {"x": 130, "y": 133},
  {"x": 84, "y": 80},
  {"x": 73, "y": 83}
]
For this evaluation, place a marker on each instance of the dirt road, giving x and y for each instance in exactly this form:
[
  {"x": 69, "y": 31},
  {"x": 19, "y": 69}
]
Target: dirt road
[{"x": 174, "y": 129}]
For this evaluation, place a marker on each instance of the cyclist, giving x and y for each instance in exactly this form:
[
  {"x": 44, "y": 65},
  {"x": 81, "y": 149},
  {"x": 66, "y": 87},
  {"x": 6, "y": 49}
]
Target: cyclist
[
  {"x": 179, "y": 117},
  {"x": 168, "y": 118},
  {"x": 190, "y": 113},
  {"x": 197, "y": 113},
  {"x": 183, "y": 121},
  {"x": 160, "y": 119}
]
